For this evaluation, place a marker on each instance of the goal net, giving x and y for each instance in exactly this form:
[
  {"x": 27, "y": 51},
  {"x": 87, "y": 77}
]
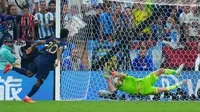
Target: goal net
[{"x": 136, "y": 37}]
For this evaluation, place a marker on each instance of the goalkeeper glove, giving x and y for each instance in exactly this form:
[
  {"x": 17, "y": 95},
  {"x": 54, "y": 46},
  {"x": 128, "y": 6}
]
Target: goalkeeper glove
[{"x": 106, "y": 74}]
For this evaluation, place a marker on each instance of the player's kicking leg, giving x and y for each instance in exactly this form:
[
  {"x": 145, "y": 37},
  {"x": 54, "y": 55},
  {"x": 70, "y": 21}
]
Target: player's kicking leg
[
  {"x": 27, "y": 73},
  {"x": 22, "y": 71}
]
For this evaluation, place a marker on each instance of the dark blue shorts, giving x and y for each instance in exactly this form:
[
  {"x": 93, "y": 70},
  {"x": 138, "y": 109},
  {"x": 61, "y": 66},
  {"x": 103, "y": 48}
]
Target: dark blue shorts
[{"x": 40, "y": 67}]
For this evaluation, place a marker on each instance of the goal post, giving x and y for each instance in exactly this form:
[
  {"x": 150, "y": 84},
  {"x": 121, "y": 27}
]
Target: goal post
[{"x": 58, "y": 70}]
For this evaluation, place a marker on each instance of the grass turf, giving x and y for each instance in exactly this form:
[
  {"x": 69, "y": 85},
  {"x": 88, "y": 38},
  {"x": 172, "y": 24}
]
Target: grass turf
[{"x": 98, "y": 106}]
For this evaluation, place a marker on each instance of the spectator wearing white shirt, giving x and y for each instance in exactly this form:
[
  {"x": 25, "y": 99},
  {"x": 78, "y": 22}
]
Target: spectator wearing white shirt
[
  {"x": 182, "y": 17},
  {"x": 192, "y": 22},
  {"x": 45, "y": 22},
  {"x": 197, "y": 62},
  {"x": 182, "y": 20}
]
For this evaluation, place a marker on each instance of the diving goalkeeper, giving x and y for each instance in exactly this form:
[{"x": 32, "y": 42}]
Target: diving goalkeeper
[{"x": 143, "y": 86}]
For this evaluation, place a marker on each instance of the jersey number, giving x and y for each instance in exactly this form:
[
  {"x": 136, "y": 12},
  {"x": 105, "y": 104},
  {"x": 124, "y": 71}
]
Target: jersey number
[{"x": 52, "y": 48}]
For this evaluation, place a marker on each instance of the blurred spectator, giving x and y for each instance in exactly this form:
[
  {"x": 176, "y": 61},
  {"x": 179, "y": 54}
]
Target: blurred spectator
[
  {"x": 182, "y": 20},
  {"x": 96, "y": 23},
  {"x": 198, "y": 28},
  {"x": 197, "y": 62},
  {"x": 117, "y": 14},
  {"x": 2, "y": 25},
  {"x": 143, "y": 45},
  {"x": 177, "y": 14},
  {"x": 64, "y": 13},
  {"x": 172, "y": 28},
  {"x": 45, "y": 22},
  {"x": 52, "y": 8},
  {"x": 38, "y": 3},
  {"x": 4, "y": 6},
  {"x": 73, "y": 62},
  {"x": 140, "y": 14},
  {"x": 182, "y": 17},
  {"x": 12, "y": 20},
  {"x": 6, "y": 57},
  {"x": 19, "y": 5},
  {"x": 106, "y": 25},
  {"x": 192, "y": 22},
  {"x": 118, "y": 9},
  {"x": 126, "y": 18},
  {"x": 26, "y": 24},
  {"x": 31, "y": 5},
  {"x": 143, "y": 62},
  {"x": 157, "y": 29},
  {"x": 65, "y": 9}
]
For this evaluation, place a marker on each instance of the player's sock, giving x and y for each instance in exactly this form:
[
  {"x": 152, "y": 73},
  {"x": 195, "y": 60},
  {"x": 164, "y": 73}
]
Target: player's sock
[
  {"x": 34, "y": 89},
  {"x": 169, "y": 72},
  {"x": 20, "y": 70},
  {"x": 171, "y": 87}
]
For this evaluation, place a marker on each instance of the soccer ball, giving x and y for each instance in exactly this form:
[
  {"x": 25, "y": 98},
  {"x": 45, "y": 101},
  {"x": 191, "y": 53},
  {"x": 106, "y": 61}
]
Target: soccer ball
[{"x": 104, "y": 93}]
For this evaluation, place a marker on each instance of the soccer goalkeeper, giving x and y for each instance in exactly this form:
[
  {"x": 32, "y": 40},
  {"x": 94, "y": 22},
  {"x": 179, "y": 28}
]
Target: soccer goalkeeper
[{"x": 142, "y": 86}]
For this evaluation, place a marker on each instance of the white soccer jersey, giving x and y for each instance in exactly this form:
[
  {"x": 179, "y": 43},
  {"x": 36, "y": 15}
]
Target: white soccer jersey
[{"x": 45, "y": 19}]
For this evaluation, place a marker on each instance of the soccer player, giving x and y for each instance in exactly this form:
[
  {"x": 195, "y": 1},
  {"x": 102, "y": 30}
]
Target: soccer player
[
  {"x": 142, "y": 86},
  {"x": 43, "y": 62}
]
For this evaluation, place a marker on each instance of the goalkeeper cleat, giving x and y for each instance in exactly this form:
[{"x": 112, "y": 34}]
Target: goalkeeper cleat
[
  {"x": 180, "y": 68},
  {"x": 7, "y": 68},
  {"x": 29, "y": 100},
  {"x": 181, "y": 83}
]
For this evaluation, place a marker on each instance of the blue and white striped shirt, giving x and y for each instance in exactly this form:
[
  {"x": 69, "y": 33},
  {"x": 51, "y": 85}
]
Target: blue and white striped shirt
[{"x": 45, "y": 19}]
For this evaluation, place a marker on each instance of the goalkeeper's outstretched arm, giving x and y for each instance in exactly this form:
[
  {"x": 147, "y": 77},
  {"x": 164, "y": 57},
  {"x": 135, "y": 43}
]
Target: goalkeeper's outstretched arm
[
  {"x": 117, "y": 74},
  {"x": 114, "y": 74},
  {"x": 110, "y": 86}
]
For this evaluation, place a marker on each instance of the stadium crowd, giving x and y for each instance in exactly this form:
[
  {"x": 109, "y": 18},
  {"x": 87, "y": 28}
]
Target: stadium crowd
[
  {"x": 160, "y": 35},
  {"x": 174, "y": 30}
]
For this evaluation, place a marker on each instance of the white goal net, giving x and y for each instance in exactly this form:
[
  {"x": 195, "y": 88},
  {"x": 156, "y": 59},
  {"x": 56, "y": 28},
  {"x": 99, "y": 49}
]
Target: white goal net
[{"x": 131, "y": 36}]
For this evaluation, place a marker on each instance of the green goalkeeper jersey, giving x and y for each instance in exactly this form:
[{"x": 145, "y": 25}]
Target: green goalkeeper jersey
[{"x": 130, "y": 85}]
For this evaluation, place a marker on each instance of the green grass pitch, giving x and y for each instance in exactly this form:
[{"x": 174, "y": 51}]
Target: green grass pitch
[{"x": 98, "y": 106}]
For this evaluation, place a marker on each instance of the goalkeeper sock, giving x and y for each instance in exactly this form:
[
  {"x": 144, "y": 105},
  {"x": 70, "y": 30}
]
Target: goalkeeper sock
[
  {"x": 34, "y": 89},
  {"x": 171, "y": 87},
  {"x": 20, "y": 70},
  {"x": 169, "y": 72}
]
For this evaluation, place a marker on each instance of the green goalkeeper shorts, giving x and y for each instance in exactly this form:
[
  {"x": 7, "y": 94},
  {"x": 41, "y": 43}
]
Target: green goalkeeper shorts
[{"x": 146, "y": 84}]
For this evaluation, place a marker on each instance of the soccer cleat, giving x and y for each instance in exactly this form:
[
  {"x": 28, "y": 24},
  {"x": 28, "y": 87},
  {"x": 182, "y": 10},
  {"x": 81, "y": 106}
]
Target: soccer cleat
[
  {"x": 29, "y": 100},
  {"x": 7, "y": 68},
  {"x": 180, "y": 68},
  {"x": 181, "y": 83}
]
